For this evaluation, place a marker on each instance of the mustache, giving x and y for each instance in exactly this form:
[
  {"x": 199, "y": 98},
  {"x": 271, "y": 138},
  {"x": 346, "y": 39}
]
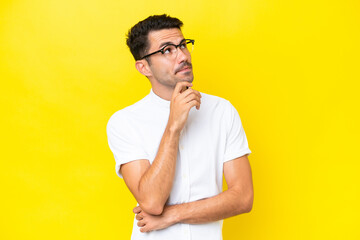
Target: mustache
[{"x": 183, "y": 65}]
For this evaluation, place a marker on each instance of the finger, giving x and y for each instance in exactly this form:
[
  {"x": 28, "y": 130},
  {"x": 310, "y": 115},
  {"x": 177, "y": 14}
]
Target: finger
[
  {"x": 139, "y": 217},
  {"x": 191, "y": 96},
  {"x": 180, "y": 86},
  {"x": 140, "y": 223},
  {"x": 137, "y": 210},
  {"x": 191, "y": 99},
  {"x": 144, "y": 229},
  {"x": 193, "y": 103},
  {"x": 189, "y": 91}
]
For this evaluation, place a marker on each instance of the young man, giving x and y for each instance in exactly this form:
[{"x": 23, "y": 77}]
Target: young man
[{"x": 173, "y": 146}]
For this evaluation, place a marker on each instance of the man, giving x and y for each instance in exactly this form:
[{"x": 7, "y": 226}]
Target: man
[{"x": 173, "y": 146}]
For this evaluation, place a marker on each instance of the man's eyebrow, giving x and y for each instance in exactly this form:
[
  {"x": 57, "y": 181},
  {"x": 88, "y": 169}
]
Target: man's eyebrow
[{"x": 166, "y": 43}]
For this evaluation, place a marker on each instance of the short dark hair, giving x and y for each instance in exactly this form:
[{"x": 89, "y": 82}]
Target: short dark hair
[{"x": 137, "y": 37}]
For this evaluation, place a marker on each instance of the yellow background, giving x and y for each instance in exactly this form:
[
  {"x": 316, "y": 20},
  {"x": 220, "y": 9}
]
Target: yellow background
[{"x": 291, "y": 68}]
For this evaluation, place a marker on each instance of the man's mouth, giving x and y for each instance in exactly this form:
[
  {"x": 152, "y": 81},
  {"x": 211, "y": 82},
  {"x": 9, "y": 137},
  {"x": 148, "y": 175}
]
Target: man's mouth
[{"x": 185, "y": 69}]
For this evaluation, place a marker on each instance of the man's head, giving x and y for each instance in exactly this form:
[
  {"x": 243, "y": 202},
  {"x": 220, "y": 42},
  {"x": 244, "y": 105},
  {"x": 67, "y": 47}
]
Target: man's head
[{"x": 160, "y": 50}]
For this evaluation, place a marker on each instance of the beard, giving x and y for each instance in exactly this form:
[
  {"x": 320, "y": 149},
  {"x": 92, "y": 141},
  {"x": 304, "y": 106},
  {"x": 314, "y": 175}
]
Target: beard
[{"x": 170, "y": 80}]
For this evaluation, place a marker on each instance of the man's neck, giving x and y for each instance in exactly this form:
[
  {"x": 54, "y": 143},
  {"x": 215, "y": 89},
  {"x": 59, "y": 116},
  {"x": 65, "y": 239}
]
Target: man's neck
[{"x": 163, "y": 91}]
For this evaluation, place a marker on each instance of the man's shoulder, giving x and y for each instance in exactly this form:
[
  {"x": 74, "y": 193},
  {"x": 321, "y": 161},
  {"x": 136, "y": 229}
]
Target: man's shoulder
[
  {"x": 124, "y": 114},
  {"x": 217, "y": 105},
  {"x": 214, "y": 100}
]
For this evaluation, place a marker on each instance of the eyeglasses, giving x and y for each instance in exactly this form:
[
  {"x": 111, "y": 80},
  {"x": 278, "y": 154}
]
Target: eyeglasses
[{"x": 170, "y": 50}]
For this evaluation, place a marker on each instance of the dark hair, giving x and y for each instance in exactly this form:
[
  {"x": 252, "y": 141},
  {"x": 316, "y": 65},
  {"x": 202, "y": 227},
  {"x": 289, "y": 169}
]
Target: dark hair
[{"x": 137, "y": 37}]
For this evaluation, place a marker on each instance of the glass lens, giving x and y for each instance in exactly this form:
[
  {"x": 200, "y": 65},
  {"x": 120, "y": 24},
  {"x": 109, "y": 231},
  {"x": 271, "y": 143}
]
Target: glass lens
[
  {"x": 170, "y": 50},
  {"x": 190, "y": 46}
]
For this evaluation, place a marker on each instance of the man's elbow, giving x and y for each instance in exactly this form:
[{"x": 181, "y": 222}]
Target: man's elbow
[
  {"x": 248, "y": 207},
  {"x": 245, "y": 206},
  {"x": 152, "y": 208}
]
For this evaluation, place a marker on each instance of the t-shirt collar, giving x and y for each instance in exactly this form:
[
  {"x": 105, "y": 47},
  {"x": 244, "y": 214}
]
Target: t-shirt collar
[{"x": 158, "y": 100}]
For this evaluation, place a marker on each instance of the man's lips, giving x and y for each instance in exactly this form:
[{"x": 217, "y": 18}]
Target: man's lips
[{"x": 185, "y": 69}]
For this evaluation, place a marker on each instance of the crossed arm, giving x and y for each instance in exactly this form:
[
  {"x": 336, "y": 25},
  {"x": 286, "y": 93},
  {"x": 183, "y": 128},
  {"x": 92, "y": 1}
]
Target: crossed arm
[
  {"x": 237, "y": 199},
  {"x": 151, "y": 184}
]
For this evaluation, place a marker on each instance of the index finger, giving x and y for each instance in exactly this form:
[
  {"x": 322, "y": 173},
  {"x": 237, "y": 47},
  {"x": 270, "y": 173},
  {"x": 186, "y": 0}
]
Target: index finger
[{"x": 179, "y": 86}]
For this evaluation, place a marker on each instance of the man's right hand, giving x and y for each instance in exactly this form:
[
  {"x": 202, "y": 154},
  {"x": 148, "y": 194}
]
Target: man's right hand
[{"x": 181, "y": 102}]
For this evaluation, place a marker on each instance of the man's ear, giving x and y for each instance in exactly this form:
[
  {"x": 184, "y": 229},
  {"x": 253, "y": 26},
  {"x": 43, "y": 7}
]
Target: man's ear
[{"x": 143, "y": 67}]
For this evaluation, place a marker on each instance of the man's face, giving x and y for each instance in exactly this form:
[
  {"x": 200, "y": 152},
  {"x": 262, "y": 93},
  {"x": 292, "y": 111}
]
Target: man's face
[{"x": 168, "y": 71}]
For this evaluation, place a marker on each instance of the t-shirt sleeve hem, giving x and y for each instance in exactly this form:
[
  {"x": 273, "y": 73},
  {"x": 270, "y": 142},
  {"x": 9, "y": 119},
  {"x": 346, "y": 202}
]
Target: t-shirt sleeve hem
[
  {"x": 237, "y": 155},
  {"x": 127, "y": 160}
]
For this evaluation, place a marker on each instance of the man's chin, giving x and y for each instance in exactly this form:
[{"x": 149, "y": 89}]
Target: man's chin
[{"x": 186, "y": 78}]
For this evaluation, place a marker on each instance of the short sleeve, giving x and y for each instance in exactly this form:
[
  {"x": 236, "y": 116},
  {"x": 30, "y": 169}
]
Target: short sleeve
[
  {"x": 236, "y": 141},
  {"x": 124, "y": 142}
]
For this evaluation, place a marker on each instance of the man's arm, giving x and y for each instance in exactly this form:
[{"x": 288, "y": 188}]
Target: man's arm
[
  {"x": 151, "y": 184},
  {"x": 237, "y": 199}
]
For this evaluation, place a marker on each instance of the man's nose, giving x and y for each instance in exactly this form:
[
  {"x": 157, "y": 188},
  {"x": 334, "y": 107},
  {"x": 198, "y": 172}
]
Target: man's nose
[{"x": 182, "y": 55}]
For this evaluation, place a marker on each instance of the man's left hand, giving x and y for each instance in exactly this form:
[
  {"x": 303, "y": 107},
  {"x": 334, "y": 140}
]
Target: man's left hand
[{"x": 148, "y": 222}]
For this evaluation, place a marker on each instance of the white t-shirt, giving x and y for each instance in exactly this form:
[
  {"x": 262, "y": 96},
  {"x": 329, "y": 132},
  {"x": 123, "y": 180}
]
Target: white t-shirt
[{"x": 211, "y": 136}]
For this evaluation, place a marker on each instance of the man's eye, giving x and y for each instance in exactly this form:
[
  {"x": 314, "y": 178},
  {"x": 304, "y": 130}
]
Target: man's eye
[{"x": 167, "y": 50}]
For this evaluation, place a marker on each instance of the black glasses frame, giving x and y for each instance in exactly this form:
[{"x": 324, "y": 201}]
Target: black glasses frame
[{"x": 176, "y": 46}]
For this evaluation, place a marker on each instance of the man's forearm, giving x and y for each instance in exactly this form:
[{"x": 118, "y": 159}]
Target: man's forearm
[
  {"x": 153, "y": 188},
  {"x": 227, "y": 204},
  {"x": 157, "y": 181}
]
